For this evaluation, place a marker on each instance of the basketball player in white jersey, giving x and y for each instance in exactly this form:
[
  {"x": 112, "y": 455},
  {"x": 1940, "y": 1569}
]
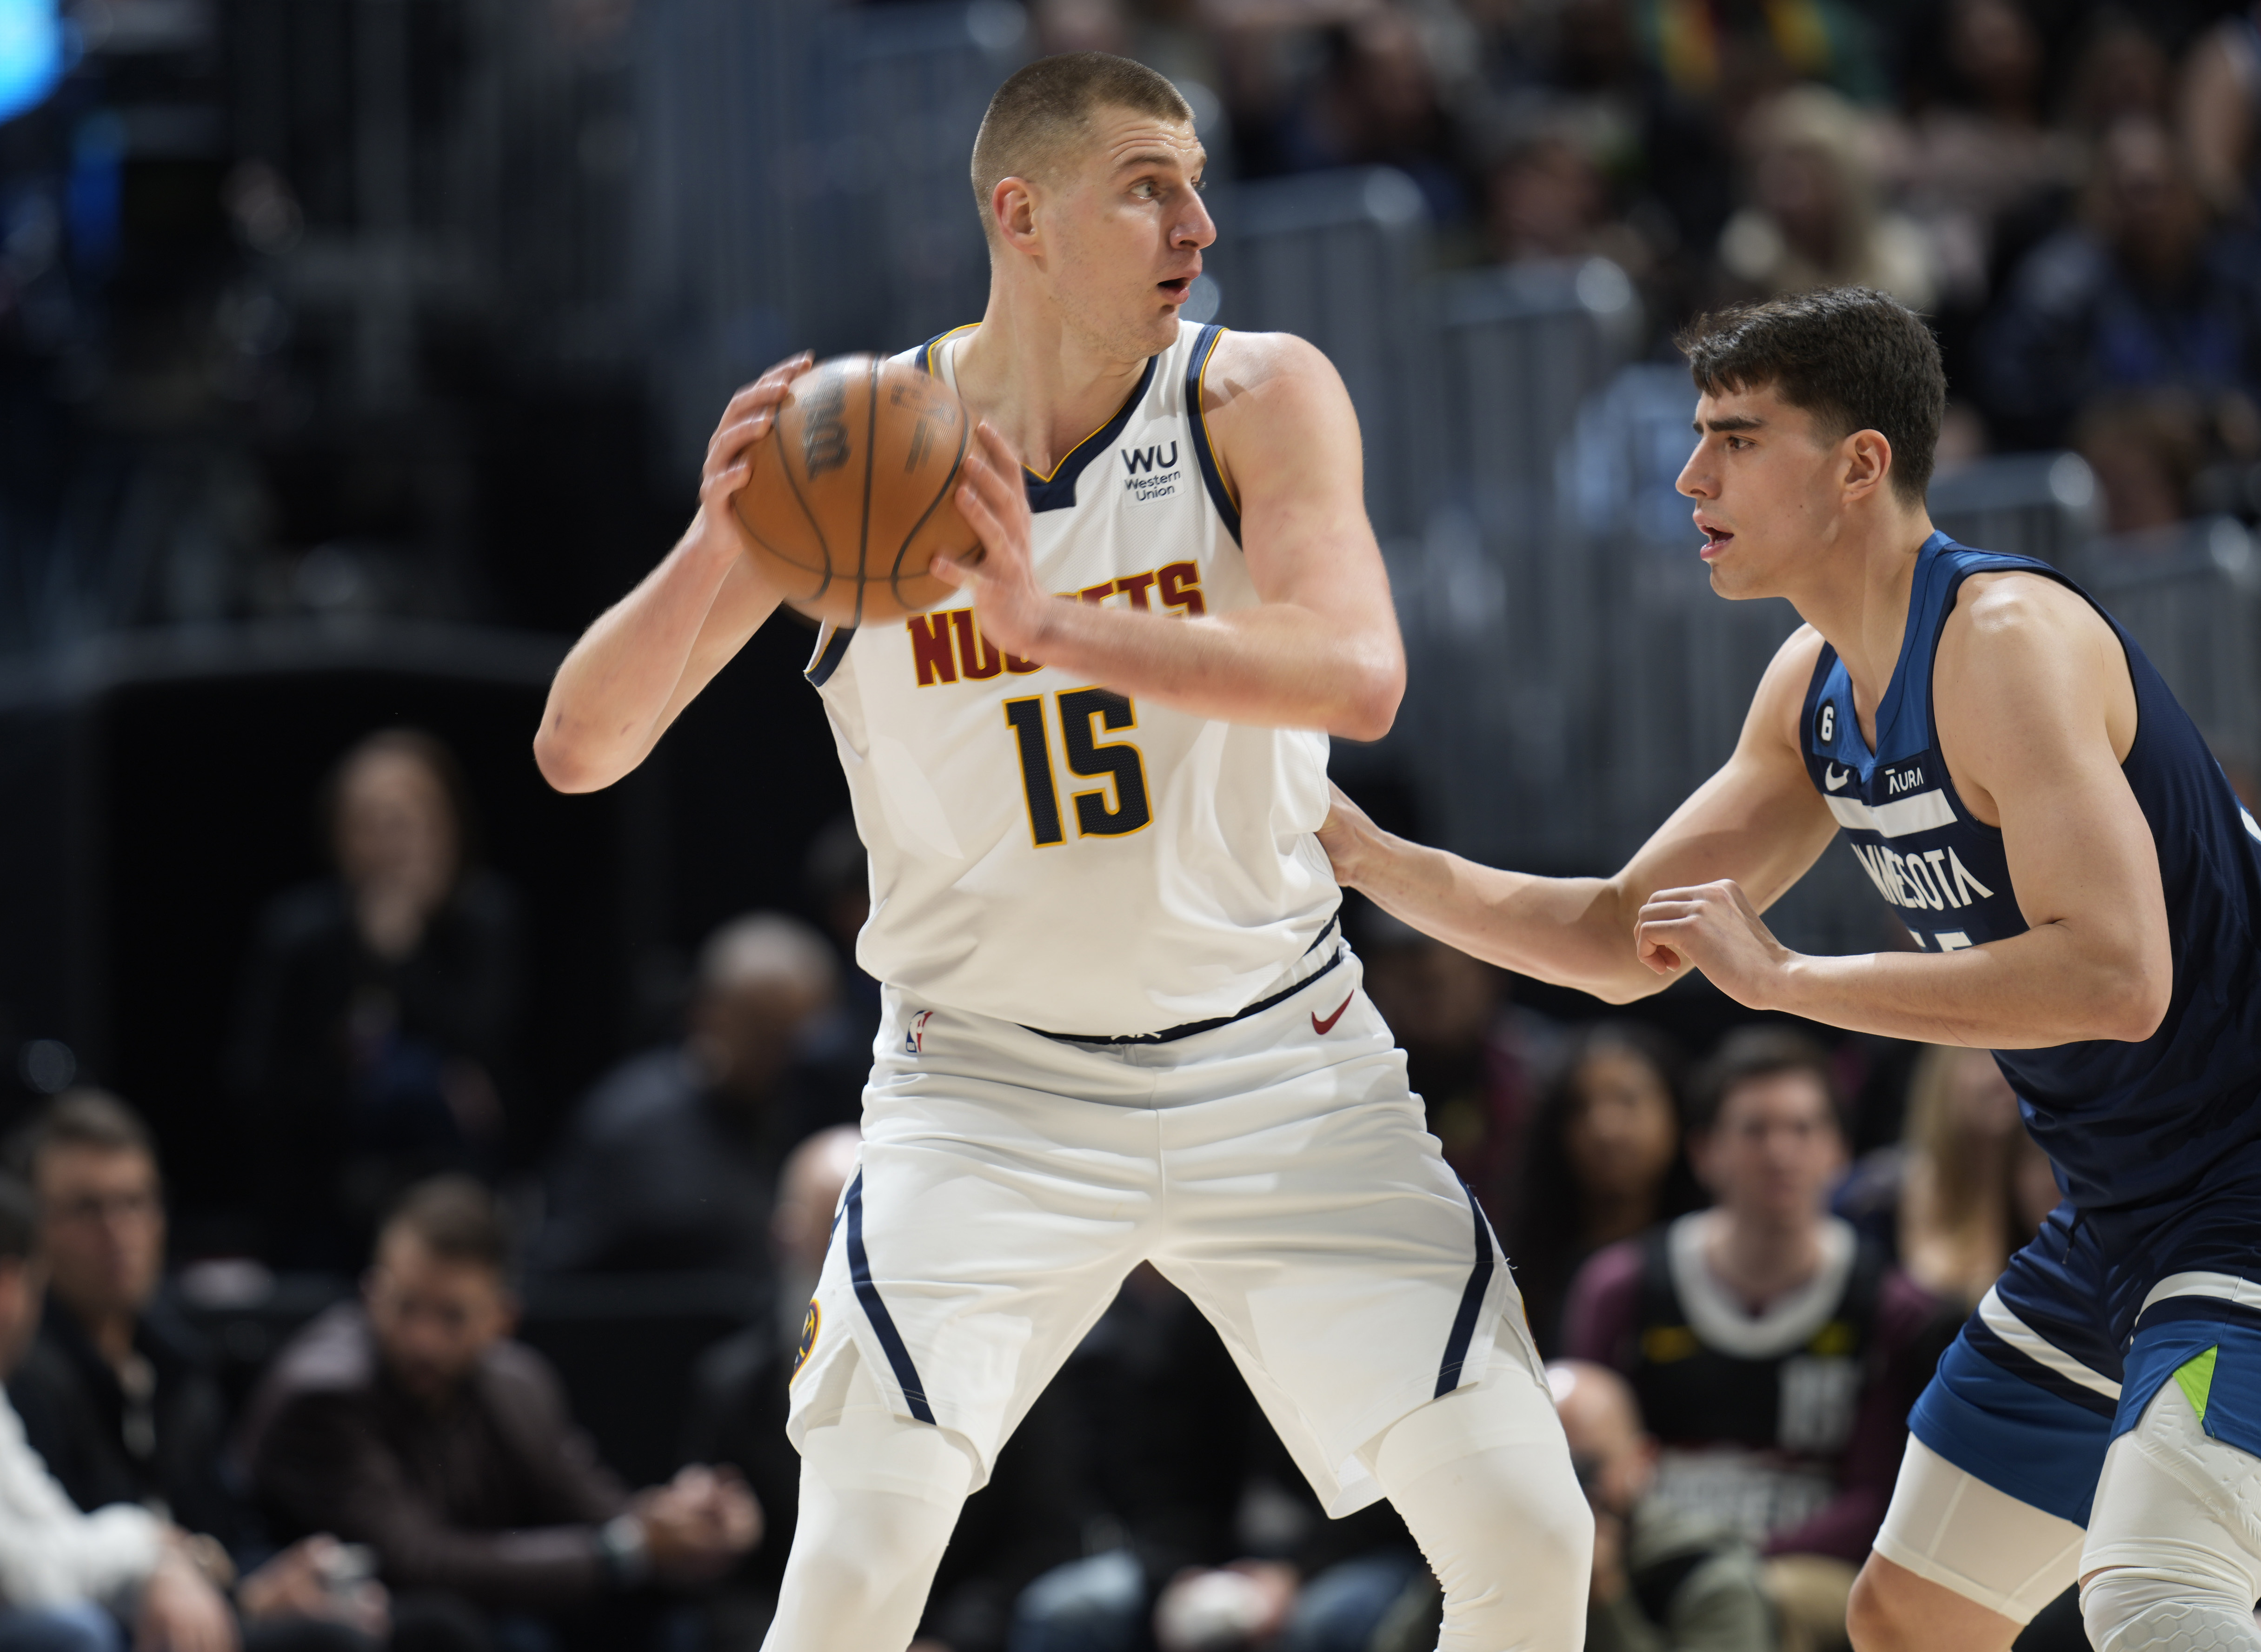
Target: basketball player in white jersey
[{"x": 1120, "y": 1023}]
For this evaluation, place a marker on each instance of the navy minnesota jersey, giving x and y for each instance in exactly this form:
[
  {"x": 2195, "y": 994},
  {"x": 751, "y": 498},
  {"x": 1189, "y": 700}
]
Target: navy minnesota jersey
[{"x": 2157, "y": 1142}]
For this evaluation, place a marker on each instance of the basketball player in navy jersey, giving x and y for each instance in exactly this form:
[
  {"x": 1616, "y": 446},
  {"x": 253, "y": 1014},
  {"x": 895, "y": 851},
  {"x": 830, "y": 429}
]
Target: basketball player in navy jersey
[
  {"x": 1120, "y": 1023},
  {"x": 2082, "y": 894}
]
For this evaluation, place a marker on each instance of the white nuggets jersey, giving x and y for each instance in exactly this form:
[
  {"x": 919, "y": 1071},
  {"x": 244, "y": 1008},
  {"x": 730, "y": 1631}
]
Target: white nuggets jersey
[{"x": 1044, "y": 850}]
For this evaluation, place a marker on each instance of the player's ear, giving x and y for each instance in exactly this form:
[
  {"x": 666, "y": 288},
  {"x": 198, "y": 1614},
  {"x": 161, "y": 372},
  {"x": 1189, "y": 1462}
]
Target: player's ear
[
  {"x": 1012, "y": 208},
  {"x": 1868, "y": 464}
]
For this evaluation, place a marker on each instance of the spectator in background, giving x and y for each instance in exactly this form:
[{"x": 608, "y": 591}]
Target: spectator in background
[
  {"x": 670, "y": 1162},
  {"x": 1603, "y": 1162},
  {"x": 117, "y": 1394},
  {"x": 1470, "y": 1054},
  {"x": 373, "y": 1039},
  {"x": 1774, "y": 1352},
  {"x": 1814, "y": 217},
  {"x": 2120, "y": 70},
  {"x": 1546, "y": 199},
  {"x": 2146, "y": 451},
  {"x": 2221, "y": 107},
  {"x": 2146, "y": 294},
  {"x": 1975, "y": 1187},
  {"x": 1376, "y": 103},
  {"x": 411, "y": 1422},
  {"x": 1981, "y": 154},
  {"x": 69, "y": 1576},
  {"x": 1665, "y": 1580}
]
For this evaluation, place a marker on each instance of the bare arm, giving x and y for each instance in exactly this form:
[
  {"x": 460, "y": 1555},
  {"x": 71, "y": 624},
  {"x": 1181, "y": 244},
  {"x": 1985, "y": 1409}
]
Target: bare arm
[
  {"x": 2036, "y": 712},
  {"x": 1758, "y": 820},
  {"x": 1320, "y": 652},
  {"x": 648, "y": 656}
]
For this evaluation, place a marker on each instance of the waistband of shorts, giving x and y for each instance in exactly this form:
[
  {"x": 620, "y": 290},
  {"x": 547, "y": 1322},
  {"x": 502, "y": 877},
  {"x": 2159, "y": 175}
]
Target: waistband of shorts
[{"x": 1185, "y": 1029}]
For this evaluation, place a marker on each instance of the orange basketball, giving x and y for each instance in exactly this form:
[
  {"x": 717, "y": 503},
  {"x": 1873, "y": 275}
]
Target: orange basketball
[{"x": 852, "y": 491}]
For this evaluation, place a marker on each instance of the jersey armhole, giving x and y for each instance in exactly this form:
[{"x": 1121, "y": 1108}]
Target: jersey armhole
[
  {"x": 831, "y": 648},
  {"x": 1204, "y": 448}
]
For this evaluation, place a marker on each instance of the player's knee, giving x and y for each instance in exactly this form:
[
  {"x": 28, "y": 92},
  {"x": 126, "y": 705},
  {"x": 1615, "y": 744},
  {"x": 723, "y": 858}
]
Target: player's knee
[
  {"x": 1483, "y": 1479},
  {"x": 2167, "y": 1608}
]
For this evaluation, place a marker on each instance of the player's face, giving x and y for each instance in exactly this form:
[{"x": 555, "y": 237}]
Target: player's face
[
  {"x": 1768, "y": 492},
  {"x": 1126, "y": 232}
]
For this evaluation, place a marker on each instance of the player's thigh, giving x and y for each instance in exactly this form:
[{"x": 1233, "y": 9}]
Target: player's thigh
[
  {"x": 1895, "y": 1610},
  {"x": 1349, "y": 1271},
  {"x": 985, "y": 1230},
  {"x": 2181, "y": 1486},
  {"x": 1959, "y": 1564},
  {"x": 1994, "y": 1489}
]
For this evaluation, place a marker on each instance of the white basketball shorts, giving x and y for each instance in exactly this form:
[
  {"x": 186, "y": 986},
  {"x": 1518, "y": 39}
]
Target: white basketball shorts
[{"x": 1276, "y": 1168}]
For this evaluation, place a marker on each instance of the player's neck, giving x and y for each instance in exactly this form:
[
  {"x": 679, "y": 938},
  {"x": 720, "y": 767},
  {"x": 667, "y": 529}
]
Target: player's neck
[
  {"x": 1859, "y": 601},
  {"x": 1044, "y": 385}
]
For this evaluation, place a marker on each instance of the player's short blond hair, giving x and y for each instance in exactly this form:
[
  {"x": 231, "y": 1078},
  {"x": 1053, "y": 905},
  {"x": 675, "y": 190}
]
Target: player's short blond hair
[{"x": 1047, "y": 106}]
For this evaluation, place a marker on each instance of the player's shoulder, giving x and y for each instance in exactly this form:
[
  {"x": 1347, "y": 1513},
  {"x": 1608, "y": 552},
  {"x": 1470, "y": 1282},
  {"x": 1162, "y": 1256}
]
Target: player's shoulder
[
  {"x": 1244, "y": 363},
  {"x": 2014, "y": 598},
  {"x": 1792, "y": 669},
  {"x": 921, "y": 354},
  {"x": 1779, "y": 704},
  {"x": 2004, "y": 617}
]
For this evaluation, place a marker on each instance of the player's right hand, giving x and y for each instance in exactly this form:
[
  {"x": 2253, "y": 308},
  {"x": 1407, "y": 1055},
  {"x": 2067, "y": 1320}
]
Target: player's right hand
[{"x": 731, "y": 452}]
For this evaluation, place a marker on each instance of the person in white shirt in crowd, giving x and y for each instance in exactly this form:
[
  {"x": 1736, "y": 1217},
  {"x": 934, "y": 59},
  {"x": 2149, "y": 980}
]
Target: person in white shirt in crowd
[{"x": 75, "y": 1582}]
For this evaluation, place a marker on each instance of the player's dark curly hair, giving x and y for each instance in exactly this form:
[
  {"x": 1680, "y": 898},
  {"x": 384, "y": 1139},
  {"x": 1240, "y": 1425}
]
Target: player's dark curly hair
[{"x": 1855, "y": 358}]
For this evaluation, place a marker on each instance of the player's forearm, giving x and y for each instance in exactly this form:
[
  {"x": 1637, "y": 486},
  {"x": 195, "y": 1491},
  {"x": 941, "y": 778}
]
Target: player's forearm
[
  {"x": 1570, "y": 931},
  {"x": 1276, "y": 665},
  {"x": 608, "y": 699},
  {"x": 2048, "y": 987}
]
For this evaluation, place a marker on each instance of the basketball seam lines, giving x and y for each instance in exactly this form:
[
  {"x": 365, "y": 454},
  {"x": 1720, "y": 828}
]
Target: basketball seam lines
[
  {"x": 786, "y": 465},
  {"x": 895, "y": 570},
  {"x": 870, "y": 458}
]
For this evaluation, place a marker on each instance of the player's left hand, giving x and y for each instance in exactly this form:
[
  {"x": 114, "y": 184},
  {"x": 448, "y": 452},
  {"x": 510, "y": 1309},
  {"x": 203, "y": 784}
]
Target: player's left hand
[
  {"x": 1715, "y": 927},
  {"x": 1010, "y": 608}
]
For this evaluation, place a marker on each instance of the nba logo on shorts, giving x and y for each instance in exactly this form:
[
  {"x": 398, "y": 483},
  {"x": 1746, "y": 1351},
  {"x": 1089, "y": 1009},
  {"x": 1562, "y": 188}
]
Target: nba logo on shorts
[{"x": 914, "y": 1040}]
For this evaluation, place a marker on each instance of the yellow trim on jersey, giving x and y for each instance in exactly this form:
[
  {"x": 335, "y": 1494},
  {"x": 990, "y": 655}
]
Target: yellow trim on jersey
[
  {"x": 935, "y": 345},
  {"x": 1200, "y": 411}
]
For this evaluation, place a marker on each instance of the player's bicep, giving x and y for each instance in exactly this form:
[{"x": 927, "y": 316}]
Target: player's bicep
[
  {"x": 2077, "y": 841},
  {"x": 1289, "y": 445}
]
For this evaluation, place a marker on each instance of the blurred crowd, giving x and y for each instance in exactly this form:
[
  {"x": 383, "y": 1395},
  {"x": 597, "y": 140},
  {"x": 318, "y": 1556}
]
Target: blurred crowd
[
  {"x": 2067, "y": 188},
  {"x": 1739, "y": 1307}
]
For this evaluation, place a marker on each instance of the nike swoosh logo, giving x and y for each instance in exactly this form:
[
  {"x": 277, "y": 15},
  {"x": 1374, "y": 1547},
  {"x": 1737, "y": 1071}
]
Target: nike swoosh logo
[
  {"x": 1323, "y": 1028},
  {"x": 1834, "y": 781}
]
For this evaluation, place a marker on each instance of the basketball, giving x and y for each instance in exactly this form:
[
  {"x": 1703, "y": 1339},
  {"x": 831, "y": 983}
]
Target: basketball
[{"x": 851, "y": 495}]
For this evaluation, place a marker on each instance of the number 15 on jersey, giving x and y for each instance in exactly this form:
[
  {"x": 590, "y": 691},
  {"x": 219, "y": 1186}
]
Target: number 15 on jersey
[{"x": 1083, "y": 714}]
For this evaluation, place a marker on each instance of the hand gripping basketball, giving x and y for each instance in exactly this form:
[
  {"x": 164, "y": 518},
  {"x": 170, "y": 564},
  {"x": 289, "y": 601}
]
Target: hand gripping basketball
[
  {"x": 1000, "y": 577},
  {"x": 853, "y": 495}
]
